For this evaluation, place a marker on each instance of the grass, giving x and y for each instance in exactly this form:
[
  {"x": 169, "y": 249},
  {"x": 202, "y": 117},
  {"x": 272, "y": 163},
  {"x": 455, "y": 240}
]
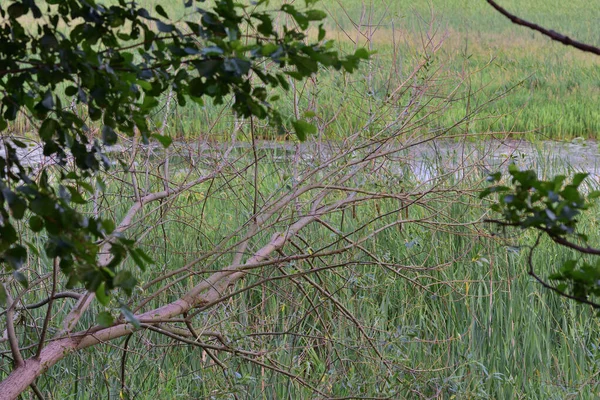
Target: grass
[
  {"x": 553, "y": 90},
  {"x": 465, "y": 321}
]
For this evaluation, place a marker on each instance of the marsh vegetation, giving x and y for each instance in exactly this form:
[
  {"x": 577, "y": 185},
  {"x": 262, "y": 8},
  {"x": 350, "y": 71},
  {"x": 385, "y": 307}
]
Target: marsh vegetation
[{"x": 356, "y": 263}]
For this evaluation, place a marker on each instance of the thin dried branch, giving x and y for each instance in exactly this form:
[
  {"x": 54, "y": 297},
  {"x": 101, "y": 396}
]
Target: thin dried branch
[
  {"x": 559, "y": 37},
  {"x": 10, "y": 332},
  {"x": 55, "y": 265}
]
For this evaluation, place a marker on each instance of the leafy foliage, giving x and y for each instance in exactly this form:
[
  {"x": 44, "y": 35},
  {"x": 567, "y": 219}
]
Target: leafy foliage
[
  {"x": 552, "y": 207},
  {"x": 117, "y": 61}
]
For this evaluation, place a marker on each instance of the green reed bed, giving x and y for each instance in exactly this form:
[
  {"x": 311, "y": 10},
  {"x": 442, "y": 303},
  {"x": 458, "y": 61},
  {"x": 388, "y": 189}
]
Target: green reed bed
[
  {"x": 544, "y": 88},
  {"x": 553, "y": 91},
  {"x": 464, "y": 320}
]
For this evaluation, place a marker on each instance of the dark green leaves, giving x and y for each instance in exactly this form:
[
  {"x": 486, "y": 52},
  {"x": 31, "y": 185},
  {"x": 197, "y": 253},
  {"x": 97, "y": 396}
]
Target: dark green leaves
[
  {"x": 553, "y": 207},
  {"x": 17, "y": 10},
  {"x": 15, "y": 257},
  {"x": 3, "y": 296},
  {"x": 140, "y": 258},
  {"x": 36, "y": 223},
  {"x": 104, "y": 319},
  {"x": 301, "y": 19},
  {"x": 115, "y": 65},
  {"x": 533, "y": 203},
  {"x": 303, "y": 129},
  {"x": 161, "y": 11},
  {"x": 109, "y": 136},
  {"x": 102, "y": 295},
  {"x": 129, "y": 316},
  {"x": 196, "y": 87},
  {"x": 163, "y": 139},
  {"x": 48, "y": 129},
  {"x": 125, "y": 281}
]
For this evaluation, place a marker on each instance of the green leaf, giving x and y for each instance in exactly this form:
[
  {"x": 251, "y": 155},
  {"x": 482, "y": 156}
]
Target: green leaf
[
  {"x": 269, "y": 49},
  {"x": 140, "y": 258},
  {"x": 571, "y": 193},
  {"x": 17, "y": 10},
  {"x": 149, "y": 102},
  {"x": 75, "y": 195},
  {"x": 578, "y": 178},
  {"x": 108, "y": 225},
  {"x": 161, "y": 11},
  {"x": 594, "y": 194},
  {"x": 36, "y": 223},
  {"x": 362, "y": 53},
  {"x": 303, "y": 129},
  {"x": 165, "y": 28},
  {"x": 48, "y": 128},
  {"x": 3, "y": 296},
  {"x": 19, "y": 144},
  {"x": 206, "y": 68},
  {"x": 300, "y": 18},
  {"x": 196, "y": 87},
  {"x": 126, "y": 281},
  {"x": 8, "y": 235},
  {"x": 16, "y": 256},
  {"x": 48, "y": 101},
  {"x": 43, "y": 206},
  {"x": 71, "y": 91},
  {"x": 101, "y": 294},
  {"x": 316, "y": 15},
  {"x": 144, "y": 84},
  {"x": 129, "y": 316},
  {"x": 17, "y": 207},
  {"x": 104, "y": 319},
  {"x": 109, "y": 136},
  {"x": 163, "y": 139},
  {"x": 322, "y": 33}
]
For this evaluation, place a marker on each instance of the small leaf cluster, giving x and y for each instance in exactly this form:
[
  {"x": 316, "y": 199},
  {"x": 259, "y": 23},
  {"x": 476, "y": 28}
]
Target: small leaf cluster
[
  {"x": 553, "y": 205},
  {"x": 580, "y": 279}
]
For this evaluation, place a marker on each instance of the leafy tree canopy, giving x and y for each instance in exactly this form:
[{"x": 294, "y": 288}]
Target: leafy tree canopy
[{"x": 118, "y": 61}]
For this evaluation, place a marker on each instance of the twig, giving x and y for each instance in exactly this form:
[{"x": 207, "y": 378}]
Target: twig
[
  {"x": 10, "y": 331},
  {"x": 567, "y": 41},
  {"x": 36, "y": 391},
  {"x": 548, "y": 286},
  {"x": 49, "y": 310},
  {"x": 124, "y": 362}
]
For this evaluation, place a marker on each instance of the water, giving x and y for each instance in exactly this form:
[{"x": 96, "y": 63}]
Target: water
[{"x": 426, "y": 161}]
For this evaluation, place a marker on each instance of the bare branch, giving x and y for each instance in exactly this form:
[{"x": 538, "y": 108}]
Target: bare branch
[
  {"x": 567, "y": 41},
  {"x": 10, "y": 331},
  {"x": 49, "y": 310}
]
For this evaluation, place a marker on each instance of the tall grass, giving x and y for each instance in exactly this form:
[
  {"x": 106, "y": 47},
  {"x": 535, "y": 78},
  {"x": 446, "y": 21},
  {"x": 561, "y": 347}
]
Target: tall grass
[
  {"x": 460, "y": 319},
  {"x": 547, "y": 90},
  {"x": 554, "y": 90}
]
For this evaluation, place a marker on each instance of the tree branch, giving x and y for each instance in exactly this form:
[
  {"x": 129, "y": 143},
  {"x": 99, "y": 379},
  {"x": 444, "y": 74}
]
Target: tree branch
[
  {"x": 567, "y": 41},
  {"x": 10, "y": 331},
  {"x": 55, "y": 265},
  {"x": 207, "y": 291}
]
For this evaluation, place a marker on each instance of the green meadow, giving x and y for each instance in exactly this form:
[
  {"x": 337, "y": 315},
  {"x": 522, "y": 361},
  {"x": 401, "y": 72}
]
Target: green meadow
[
  {"x": 541, "y": 89},
  {"x": 544, "y": 89},
  {"x": 461, "y": 319}
]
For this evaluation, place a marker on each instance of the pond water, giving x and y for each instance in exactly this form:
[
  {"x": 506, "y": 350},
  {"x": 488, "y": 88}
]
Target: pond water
[{"x": 425, "y": 160}]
